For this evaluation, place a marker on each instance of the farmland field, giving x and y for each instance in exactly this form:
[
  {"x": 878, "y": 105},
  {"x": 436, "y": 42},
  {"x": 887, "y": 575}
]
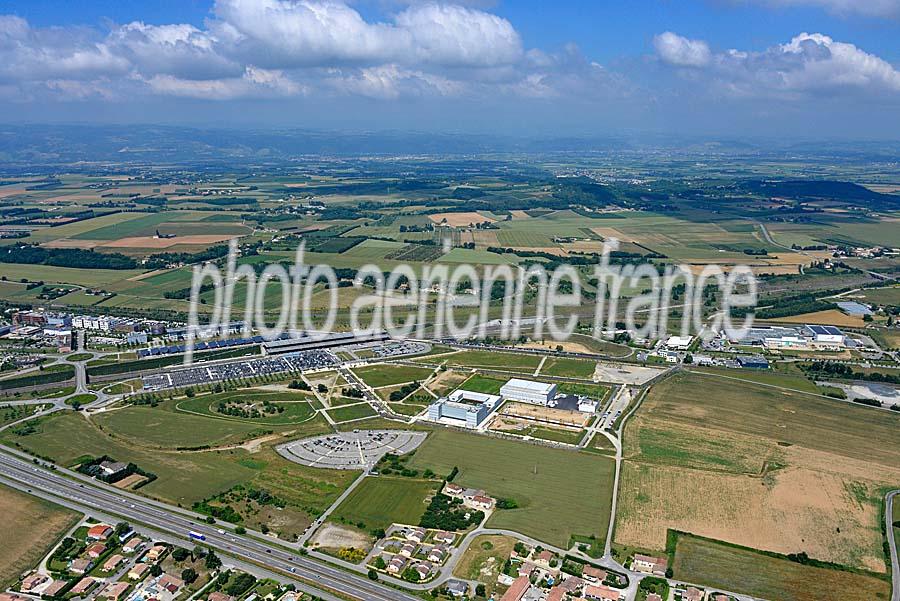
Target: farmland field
[
  {"x": 39, "y": 525},
  {"x": 781, "y": 471},
  {"x": 494, "y": 360},
  {"x": 733, "y": 568},
  {"x": 382, "y": 501},
  {"x": 537, "y": 477}
]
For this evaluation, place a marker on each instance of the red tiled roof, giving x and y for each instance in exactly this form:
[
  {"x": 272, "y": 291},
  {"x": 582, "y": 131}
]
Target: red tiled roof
[{"x": 517, "y": 590}]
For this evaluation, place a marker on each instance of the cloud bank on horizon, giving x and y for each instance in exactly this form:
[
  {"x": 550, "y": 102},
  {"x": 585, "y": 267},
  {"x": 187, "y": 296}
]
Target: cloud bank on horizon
[{"x": 321, "y": 49}]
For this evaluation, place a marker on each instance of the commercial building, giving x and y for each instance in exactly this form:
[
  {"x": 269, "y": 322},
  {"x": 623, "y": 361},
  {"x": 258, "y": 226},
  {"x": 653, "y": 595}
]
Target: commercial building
[
  {"x": 679, "y": 343},
  {"x": 528, "y": 391},
  {"x": 306, "y": 342},
  {"x": 463, "y": 408}
]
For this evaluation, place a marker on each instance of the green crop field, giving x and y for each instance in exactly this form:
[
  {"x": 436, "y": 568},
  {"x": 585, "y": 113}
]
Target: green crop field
[
  {"x": 349, "y": 412},
  {"x": 382, "y": 501},
  {"x": 718, "y": 565},
  {"x": 542, "y": 480},
  {"x": 184, "y": 477},
  {"x": 572, "y": 368},
  {"x": 390, "y": 375}
]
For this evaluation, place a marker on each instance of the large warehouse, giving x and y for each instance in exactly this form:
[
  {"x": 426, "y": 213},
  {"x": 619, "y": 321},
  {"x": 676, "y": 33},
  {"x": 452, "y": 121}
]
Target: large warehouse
[
  {"x": 463, "y": 408},
  {"x": 528, "y": 391}
]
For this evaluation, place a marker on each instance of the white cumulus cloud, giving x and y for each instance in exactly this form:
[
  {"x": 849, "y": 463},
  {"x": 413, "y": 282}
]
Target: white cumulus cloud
[{"x": 681, "y": 51}]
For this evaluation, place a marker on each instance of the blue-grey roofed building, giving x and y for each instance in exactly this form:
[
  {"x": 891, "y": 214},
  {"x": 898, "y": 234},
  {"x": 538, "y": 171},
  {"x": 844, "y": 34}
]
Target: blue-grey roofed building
[{"x": 854, "y": 308}]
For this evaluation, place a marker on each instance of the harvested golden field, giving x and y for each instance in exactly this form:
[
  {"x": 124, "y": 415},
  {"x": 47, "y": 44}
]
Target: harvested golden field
[
  {"x": 460, "y": 219},
  {"x": 38, "y": 524},
  {"x": 831, "y": 317},
  {"x": 758, "y": 467}
]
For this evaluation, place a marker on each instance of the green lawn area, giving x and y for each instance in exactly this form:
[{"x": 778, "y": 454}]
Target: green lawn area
[
  {"x": 389, "y": 375},
  {"x": 81, "y": 399},
  {"x": 381, "y": 501},
  {"x": 542, "y": 480},
  {"x": 165, "y": 428},
  {"x": 485, "y": 384},
  {"x": 79, "y": 357},
  {"x": 12, "y": 413},
  {"x": 594, "y": 391},
  {"x": 720, "y": 565},
  {"x": 571, "y": 368},
  {"x": 297, "y": 408},
  {"x": 349, "y": 412},
  {"x": 186, "y": 477},
  {"x": 517, "y": 362}
]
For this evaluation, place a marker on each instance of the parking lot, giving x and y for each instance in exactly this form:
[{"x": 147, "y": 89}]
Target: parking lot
[
  {"x": 246, "y": 368},
  {"x": 357, "y": 450}
]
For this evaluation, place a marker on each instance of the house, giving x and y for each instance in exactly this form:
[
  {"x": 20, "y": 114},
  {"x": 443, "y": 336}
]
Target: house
[
  {"x": 171, "y": 583},
  {"x": 423, "y": 569},
  {"x": 593, "y": 574},
  {"x": 83, "y": 586},
  {"x": 517, "y": 590},
  {"x": 557, "y": 593},
  {"x": 601, "y": 593},
  {"x": 720, "y": 597},
  {"x": 408, "y": 550},
  {"x": 457, "y": 588},
  {"x": 653, "y": 597},
  {"x": 32, "y": 581},
  {"x": 115, "y": 591},
  {"x": 133, "y": 544},
  {"x": 112, "y": 562},
  {"x": 650, "y": 565},
  {"x": 217, "y": 596},
  {"x": 138, "y": 570},
  {"x": 571, "y": 584},
  {"x": 111, "y": 468},
  {"x": 55, "y": 588},
  {"x": 396, "y": 564},
  {"x": 80, "y": 566},
  {"x": 453, "y": 490},
  {"x": 444, "y": 537},
  {"x": 544, "y": 557},
  {"x": 416, "y": 535},
  {"x": 479, "y": 501},
  {"x": 437, "y": 554},
  {"x": 99, "y": 532},
  {"x": 96, "y": 550},
  {"x": 155, "y": 552},
  {"x": 12, "y": 597},
  {"x": 692, "y": 594}
]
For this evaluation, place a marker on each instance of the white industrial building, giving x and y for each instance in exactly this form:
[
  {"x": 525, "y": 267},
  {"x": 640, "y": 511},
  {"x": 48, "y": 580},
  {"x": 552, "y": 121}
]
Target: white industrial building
[
  {"x": 463, "y": 408},
  {"x": 679, "y": 343},
  {"x": 528, "y": 391}
]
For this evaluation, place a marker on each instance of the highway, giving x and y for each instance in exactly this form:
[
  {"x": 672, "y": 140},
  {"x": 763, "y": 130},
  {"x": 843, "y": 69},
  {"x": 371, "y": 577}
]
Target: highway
[{"x": 37, "y": 480}]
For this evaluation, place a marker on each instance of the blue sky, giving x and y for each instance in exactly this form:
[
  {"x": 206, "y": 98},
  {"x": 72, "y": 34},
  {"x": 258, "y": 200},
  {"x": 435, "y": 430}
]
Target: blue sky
[{"x": 718, "y": 67}]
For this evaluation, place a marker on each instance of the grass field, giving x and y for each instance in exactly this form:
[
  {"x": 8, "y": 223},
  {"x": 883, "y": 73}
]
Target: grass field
[
  {"x": 516, "y": 362},
  {"x": 186, "y": 477},
  {"x": 166, "y": 428},
  {"x": 732, "y": 568},
  {"x": 351, "y": 412},
  {"x": 39, "y": 525},
  {"x": 485, "y": 384},
  {"x": 571, "y": 368},
  {"x": 389, "y": 375},
  {"x": 780, "y": 471},
  {"x": 297, "y": 408},
  {"x": 484, "y": 559},
  {"x": 382, "y": 501},
  {"x": 539, "y": 478}
]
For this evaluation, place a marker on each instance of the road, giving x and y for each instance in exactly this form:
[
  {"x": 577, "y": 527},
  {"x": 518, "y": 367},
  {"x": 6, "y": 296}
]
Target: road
[
  {"x": 892, "y": 543},
  {"x": 21, "y": 474}
]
